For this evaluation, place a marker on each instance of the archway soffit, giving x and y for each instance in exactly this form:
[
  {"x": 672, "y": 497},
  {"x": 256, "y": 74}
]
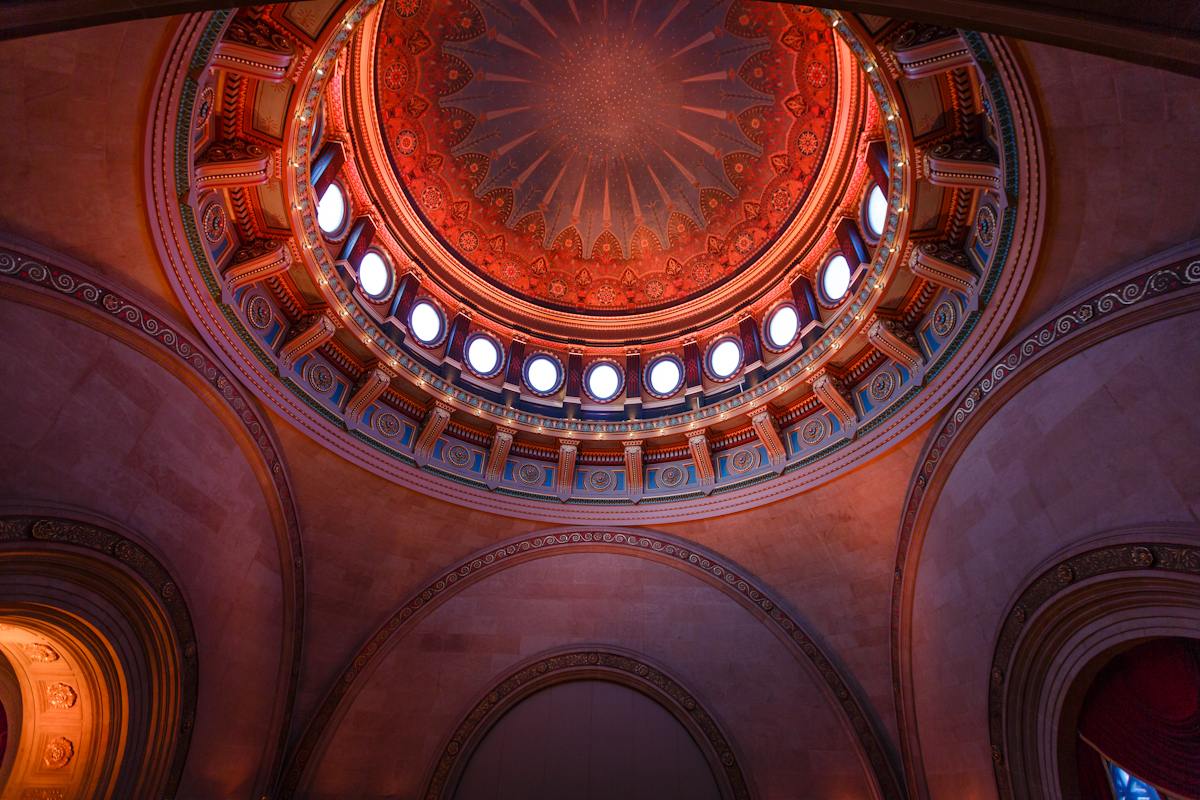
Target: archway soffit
[
  {"x": 25, "y": 530},
  {"x": 705, "y": 565}
]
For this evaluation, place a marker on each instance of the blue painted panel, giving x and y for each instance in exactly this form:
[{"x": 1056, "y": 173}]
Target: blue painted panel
[
  {"x": 408, "y": 434},
  {"x": 580, "y": 477},
  {"x": 477, "y": 464},
  {"x": 762, "y": 455},
  {"x": 549, "y": 479},
  {"x": 273, "y": 334},
  {"x": 339, "y": 389},
  {"x": 438, "y": 447},
  {"x": 691, "y": 471},
  {"x": 721, "y": 471},
  {"x": 651, "y": 479},
  {"x": 620, "y": 476},
  {"x": 508, "y": 470}
]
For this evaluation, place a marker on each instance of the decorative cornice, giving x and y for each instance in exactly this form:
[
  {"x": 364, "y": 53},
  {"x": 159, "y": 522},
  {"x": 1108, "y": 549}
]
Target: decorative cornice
[
  {"x": 708, "y": 566},
  {"x": 1043, "y": 345},
  {"x": 600, "y": 663}
]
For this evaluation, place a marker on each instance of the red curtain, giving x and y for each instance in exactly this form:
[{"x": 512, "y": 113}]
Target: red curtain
[{"x": 1143, "y": 713}]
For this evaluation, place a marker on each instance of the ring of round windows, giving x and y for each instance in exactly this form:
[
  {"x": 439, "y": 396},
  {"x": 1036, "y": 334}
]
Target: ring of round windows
[{"x": 603, "y": 381}]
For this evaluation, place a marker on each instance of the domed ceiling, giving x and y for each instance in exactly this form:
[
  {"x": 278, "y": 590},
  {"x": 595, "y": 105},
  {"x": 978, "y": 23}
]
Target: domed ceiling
[
  {"x": 605, "y": 156},
  {"x": 745, "y": 245}
]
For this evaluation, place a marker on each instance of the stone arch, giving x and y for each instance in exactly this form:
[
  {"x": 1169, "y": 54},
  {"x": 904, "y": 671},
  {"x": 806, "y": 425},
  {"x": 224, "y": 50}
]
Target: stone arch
[
  {"x": 606, "y": 664},
  {"x": 1066, "y": 624},
  {"x": 46, "y": 288},
  {"x": 1156, "y": 291},
  {"x": 705, "y": 566},
  {"x": 102, "y": 645}
]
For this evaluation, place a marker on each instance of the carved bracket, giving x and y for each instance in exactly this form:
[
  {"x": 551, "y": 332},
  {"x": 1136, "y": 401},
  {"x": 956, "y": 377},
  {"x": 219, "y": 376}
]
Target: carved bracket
[
  {"x": 634, "y": 474},
  {"x": 832, "y": 393},
  {"x": 768, "y": 433},
  {"x": 234, "y": 163},
  {"x": 435, "y": 423},
  {"x": 254, "y": 49},
  {"x": 497, "y": 457},
  {"x": 924, "y": 50},
  {"x": 897, "y": 341},
  {"x": 307, "y": 335},
  {"x": 701, "y": 451},
  {"x": 567, "y": 453},
  {"x": 370, "y": 388}
]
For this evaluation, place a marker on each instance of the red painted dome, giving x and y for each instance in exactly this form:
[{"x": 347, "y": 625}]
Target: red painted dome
[{"x": 611, "y": 157}]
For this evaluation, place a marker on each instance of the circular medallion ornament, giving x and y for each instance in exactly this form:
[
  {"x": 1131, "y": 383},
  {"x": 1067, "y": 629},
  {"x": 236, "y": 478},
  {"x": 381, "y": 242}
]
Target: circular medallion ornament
[
  {"x": 529, "y": 474},
  {"x": 702, "y": 272},
  {"x": 60, "y": 695},
  {"x": 882, "y": 385},
  {"x": 655, "y": 289},
  {"x": 432, "y": 198},
  {"x": 944, "y": 317},
  {"x": 387, "y": 424},
  {"x": 813, "y": 431},
  {"x": 817, "y": 74},
  {"x": 395, "y": 76},
  {"x": 205, "y": 106},
  {"x": 600, "y": 481},
  {"x": 458, "y": 455},
  {"x": 40, "y": 653},
  {"x": 671, "y": 477},
  {"x": 406, "y": 142},
  {"x": 213, "y": 222},
  {"x": 985, "y": 225},
  {"x": 606, "y": 295},
  {"x": 407, "y": 9},
  {"x": 744, "y": 243},
  {"x": 258, "y": 311},
  {"x": 57, "y": 753},
  {"x": 742, "y": 461},
  {"x": 807, "y": 143},
  {"x": 320, "y": 377},
  {"x": 468, "y": 241}
]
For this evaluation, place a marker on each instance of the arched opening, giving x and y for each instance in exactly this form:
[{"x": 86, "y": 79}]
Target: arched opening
[
  {"x": 587, "y": 738},
  {"x": 1139, "y": 724}
]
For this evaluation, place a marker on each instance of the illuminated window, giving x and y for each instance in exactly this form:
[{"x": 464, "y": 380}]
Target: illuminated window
[
  {"x": 483, "y": 355},
  {"x": 426, "y": 323},
  {"x": 374, "y": 275},
  {"x": 835, "y": 279},
  {"x": 782, "y": 327},
  {"x": 1128, "y": 787},
  {"x": 331, "y": 209},
  {"x": 543, "y": 374},
  {"x": 876, "y": 211},
  {"x": 724, "y": 359},
  {"x": 665, "y": 376},
  {"x": 603, "y": 381}
]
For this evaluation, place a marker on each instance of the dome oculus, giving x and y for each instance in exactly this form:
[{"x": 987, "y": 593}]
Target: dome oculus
[
  {"x": 483, "y": 355},
  {"x": 664, "y": 376},
  {"x": 603, "y": 381},
  {"x": 426, "y": 323},
  {"x": 877, "y": 207},
  {"x": 543, "y": 374},
  {"x": 782, "y": 327},
  {"x": 835, "y": 278},
  {"x": 724, "y": 359},
  {"x": 331, "y": 209},
  {"x": 374, "y": 275}
]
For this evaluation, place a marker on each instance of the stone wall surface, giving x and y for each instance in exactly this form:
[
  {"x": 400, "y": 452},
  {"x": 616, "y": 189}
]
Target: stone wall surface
[
  {"x": 1104, "y": 440},
  {"x": 789, "y": 735},
  {"x": 89, "y": 423}
]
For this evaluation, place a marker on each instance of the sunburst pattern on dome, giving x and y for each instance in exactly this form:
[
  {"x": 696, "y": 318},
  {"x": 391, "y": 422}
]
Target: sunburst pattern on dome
[{"x": 605, "y": 154}]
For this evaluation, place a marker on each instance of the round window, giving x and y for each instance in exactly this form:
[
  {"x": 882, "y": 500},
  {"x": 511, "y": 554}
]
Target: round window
[
  {"x": 835, "y": 280},
  {"x": 374, "y": 275},
  {"x": 664, "y": 376},
  {"x": 603, "y": 381},
  {"x": 426, "y": 323},
  {"x": 877, "y": 207},
  {"x": 483, "y": 355},
  {"x": 782, "y": 327},
  {"x": 543, "y": 374},
  {"x": 724, "y": 359},
  {"x": 331, "y": 209}
]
